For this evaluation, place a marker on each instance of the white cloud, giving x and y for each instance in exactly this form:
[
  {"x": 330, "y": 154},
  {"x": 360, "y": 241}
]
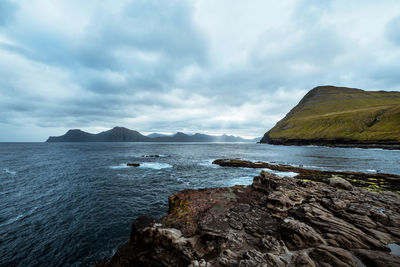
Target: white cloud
[{"x": 207, "y": 66}]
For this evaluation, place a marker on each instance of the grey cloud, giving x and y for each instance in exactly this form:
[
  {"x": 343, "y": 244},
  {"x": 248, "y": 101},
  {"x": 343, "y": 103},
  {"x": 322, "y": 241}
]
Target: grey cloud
[
  {"x": 148, "y": 66},
  {"x": 7, "y": 11},
  {"x": 393, "y": 30}
]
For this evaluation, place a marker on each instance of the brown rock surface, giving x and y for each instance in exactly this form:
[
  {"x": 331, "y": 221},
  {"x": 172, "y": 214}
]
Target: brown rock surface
[
  {"x": 274, "y": 222},
  {"x": 378, "y": 182}
]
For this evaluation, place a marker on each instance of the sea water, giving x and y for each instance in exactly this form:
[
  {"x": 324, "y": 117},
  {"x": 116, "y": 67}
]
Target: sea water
[{"x": 73, "y": 203}]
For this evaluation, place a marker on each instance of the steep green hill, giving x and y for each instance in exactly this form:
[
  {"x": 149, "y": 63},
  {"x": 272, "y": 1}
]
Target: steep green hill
[{"x": 329, "y": 115}]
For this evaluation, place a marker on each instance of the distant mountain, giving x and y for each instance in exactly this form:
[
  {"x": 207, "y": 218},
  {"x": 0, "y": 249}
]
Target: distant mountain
[
  {"x": 121, "y": 134},
  {"x": 116, "y": 134},
  {"x": 198, "y": 137},
  {"x": 74, "y": 135},
  {"x": 152, "y": 135},
  {"x": 341, "y": 116}
]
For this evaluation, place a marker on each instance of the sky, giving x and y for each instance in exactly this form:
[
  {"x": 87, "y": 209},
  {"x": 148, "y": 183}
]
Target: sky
[{"x": 209, "y": 66}]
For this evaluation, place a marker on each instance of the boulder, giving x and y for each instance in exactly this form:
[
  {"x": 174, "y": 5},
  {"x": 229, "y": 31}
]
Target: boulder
[{"x": 340, "y": 183}]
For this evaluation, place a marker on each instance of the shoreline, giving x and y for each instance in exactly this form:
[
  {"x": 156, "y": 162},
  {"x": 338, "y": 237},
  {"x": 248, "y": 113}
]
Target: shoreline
[
  {"x": 343, "y": 143},
  {"x": 278, "y": 221}
]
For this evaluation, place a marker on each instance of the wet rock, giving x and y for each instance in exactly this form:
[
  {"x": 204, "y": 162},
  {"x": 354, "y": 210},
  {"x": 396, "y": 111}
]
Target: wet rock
[
  {"x": 377, "y": 258},
  {"x": 274, "y": 222},
  {"x": 372, "y": 181},
  {"x": 133, "y": 164}
]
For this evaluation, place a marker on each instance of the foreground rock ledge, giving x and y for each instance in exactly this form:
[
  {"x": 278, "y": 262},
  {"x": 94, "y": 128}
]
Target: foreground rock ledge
[{"x": 274, "y": 222}]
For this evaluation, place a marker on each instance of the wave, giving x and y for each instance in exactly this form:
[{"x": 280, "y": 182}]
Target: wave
[
  {"x": 12, "y": 220},
  {"x": 208, "y": 163},
  {"x": 244, "y": 180},
  {"x": 10, "y": 171},
  {"x": 282, "y": 174},
  {"x": 145, "y": 165},
  {"x": 120, "y": 166},
  {"x": 155, "y": 165}
]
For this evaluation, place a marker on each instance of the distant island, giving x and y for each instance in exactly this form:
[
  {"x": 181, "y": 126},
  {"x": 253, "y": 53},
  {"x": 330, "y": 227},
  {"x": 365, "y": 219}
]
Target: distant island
[
  {"x": 122, "y": 134},
  {"x": 341, "y": 116}
]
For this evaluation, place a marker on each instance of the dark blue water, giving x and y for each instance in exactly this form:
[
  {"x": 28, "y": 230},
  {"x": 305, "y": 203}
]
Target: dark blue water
[{"x": 73, "y": 203}]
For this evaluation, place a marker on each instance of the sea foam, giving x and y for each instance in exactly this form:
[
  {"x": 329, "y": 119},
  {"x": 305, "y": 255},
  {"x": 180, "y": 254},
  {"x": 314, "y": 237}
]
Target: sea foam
[
  {"x": 155, "y": 165},
  {"x": 10, "y": 171},
  {"x": 120, "y": 166}
]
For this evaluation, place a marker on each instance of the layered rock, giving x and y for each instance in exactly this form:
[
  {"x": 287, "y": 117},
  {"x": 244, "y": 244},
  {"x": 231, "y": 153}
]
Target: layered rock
[
  {"x": 372, "y": 181},
  {"x": 274, "y": 222}
]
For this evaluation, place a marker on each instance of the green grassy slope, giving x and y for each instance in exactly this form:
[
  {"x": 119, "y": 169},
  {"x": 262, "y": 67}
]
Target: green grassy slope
[{"x": 340, "y": 113}]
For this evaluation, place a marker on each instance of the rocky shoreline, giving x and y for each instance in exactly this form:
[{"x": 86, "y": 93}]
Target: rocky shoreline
[
  {"x": 276, "y": 221},
  {"x": 377, "y": 182},
  {"x": 345, "y": 143}
]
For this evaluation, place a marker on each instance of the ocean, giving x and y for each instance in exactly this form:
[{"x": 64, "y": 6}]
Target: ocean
[{"x": 72, "y": 204}]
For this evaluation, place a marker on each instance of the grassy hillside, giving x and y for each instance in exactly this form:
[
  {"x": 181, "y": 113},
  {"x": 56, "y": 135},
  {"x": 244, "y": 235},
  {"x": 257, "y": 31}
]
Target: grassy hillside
[{"x": 339, "y": 113}]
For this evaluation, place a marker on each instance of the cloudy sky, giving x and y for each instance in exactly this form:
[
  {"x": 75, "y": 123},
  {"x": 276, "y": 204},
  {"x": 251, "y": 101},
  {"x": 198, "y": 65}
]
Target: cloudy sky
[{"x": 211, "y": 66}]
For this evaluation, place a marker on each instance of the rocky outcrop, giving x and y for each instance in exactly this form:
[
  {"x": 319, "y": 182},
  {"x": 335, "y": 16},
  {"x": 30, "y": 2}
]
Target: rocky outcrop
[
  {"x": 345, "y": 179},
  {"x": 274, "y": 222},
  {"x": 133, "y": 164}
]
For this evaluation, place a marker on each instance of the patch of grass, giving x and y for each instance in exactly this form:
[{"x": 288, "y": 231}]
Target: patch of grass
[{"x": 342, "y": 113}]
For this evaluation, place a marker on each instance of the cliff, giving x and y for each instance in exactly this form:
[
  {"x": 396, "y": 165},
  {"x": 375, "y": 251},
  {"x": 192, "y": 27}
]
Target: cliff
[
  {"x": 341, "y": 116},
  {"x": 277, "y": 221}
]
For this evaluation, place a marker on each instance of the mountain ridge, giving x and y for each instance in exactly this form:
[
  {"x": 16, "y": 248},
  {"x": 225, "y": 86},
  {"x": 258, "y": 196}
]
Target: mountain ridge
[{"x": 122, "y": 134}]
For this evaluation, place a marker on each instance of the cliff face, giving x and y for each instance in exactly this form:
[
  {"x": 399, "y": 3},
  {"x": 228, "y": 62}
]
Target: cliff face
[
  {"x": 329, "y": 115},
  {"x": 274, "y": 222}
]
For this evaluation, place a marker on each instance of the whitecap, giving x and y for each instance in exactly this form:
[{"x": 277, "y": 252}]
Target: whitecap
[
  {"x": 208, "y": 163},
  {"x": 12, "y": 220},
  {"x": 120, "y": 166},
  {"x": 282, "y": 174},
  {"x": 155, "y": 165},
  {"x": 371, "y": 171},
  {"x": 10, "y": 171},
  {"x": 244, "y": 180}
]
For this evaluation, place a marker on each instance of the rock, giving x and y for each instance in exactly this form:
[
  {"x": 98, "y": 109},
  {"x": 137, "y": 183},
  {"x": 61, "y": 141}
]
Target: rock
[
  {"x": 372, "y": 181},
  {"x": 150, "y": 156},
  {"x": 340, "y": 183},
  {"x": 274, "y": 222},
  {"x": 133, "y": 164}
]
